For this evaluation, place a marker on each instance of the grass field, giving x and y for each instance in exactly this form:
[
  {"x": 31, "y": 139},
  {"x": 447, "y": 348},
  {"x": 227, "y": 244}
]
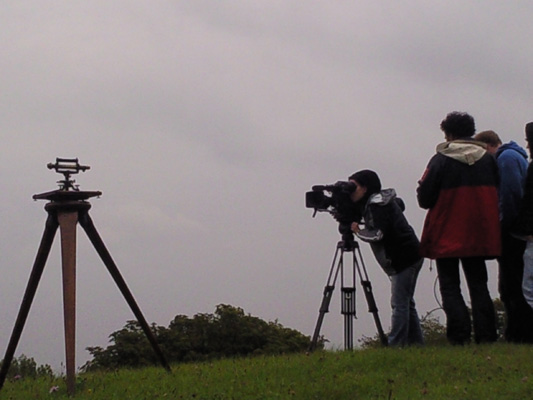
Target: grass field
[{"x": 499, "y": 371}]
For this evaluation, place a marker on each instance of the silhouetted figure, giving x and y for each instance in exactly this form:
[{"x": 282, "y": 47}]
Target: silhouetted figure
[
  {"x": 460, "y": 191},
  {"x": 512, "y": 166},
  {"x": 524, "y": 222},
  {"x": 396, "y": 249}
]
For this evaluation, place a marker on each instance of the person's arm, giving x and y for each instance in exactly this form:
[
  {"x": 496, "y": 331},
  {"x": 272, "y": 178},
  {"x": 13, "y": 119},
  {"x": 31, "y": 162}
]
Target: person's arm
[
  {"x": 370, "y": 235},
  {"x": 524, "y": 222},
  {"x": 511, "y": 187},
  {"x": 374, "y": 229},
  {"x": 428, "y": 189}
]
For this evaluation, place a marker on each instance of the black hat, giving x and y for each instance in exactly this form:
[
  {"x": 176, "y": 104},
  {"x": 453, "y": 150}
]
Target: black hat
[
  {"x": 368, "y": 179},
  {"x": 529, "y": 132}
]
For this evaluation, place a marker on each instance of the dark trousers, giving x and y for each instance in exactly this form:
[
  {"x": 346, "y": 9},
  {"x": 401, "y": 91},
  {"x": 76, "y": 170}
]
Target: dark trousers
[
  {"x": 519, "y": 324},
  {"x": 458, "y": 323}
]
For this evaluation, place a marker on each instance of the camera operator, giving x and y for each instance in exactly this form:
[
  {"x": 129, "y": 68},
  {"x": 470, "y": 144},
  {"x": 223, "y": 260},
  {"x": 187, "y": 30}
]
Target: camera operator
[{"x": 396, "y": 248}]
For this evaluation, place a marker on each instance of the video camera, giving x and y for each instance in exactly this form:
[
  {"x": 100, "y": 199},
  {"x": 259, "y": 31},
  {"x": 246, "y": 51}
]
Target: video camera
[{"x": 335, "y": 199}]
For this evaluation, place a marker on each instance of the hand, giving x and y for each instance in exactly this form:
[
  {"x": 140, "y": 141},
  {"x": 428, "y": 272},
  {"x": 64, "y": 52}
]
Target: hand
[{"x": 355, "y": 227}]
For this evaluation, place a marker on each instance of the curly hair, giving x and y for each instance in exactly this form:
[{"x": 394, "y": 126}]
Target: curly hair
[{"x": 458, "y": 125}]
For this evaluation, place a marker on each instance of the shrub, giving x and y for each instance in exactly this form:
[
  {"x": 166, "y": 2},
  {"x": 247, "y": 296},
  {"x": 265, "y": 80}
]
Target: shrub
[{"x": 229, "y": 332}]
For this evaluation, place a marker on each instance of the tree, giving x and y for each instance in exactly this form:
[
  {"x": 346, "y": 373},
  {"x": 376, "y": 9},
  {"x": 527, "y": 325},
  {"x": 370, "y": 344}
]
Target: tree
[
  {"x": 229, "y": 332},
  {"x": 26, "y": 367}
]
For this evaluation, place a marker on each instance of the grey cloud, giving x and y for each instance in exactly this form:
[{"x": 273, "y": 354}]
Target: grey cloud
[{"x": 204, "y": 124}]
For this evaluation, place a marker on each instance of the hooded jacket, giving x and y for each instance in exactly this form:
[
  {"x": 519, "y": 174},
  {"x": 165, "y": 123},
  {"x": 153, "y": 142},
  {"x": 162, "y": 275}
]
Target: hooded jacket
[
  {"x": 512, "y": 165},
  {"x": 460, "y": 191},
  {"x": 392, "y": 239},
  {"x": 524, "y": 222}
]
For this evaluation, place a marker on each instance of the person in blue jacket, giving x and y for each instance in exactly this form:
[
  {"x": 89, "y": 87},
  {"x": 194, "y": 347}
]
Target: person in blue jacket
[
  {"x": 512, "y": 165},
  {"x": 396, "y": 248}
]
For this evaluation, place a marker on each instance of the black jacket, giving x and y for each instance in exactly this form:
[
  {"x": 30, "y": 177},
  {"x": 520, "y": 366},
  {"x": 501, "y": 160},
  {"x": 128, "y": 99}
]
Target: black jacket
[
  {"x": 393, "y": 240},
  {"x": 524, "y": 221},
  {"x": 460, "y": 190}
]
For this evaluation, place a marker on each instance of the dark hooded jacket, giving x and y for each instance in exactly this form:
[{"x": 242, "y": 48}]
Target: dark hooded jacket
[
  {"x": 524, "y": 222},
  {"x": 391, "y": 238},
  {"x": 460, "y": 190},
  {"x": 512, "y": 165}
]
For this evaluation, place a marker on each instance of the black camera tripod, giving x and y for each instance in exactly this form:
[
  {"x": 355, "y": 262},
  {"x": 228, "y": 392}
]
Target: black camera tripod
[
  {"x": 348, "y": 300},
  {"x": 66, "y": 207}
]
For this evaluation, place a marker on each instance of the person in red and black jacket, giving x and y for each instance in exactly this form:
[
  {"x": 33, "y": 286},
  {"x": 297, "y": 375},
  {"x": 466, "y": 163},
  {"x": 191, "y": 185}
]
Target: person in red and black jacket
[{"x": 460, "y": 191}]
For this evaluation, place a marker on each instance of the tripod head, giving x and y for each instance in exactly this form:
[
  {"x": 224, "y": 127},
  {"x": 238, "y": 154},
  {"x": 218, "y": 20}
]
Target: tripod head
[
  {"x": 68, "y": 167},
  {"x": 347, "y": 243}
]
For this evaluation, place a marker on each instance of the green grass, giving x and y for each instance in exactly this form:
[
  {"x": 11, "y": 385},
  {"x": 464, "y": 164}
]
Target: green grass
[{"x": 499, "y": 371}]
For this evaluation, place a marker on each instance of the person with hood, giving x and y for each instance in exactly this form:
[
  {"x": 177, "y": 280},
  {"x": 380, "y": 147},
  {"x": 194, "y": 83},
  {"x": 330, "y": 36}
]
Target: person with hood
[
  {"x": 524, "y": 222},
  {"x": 396, "y": 248},
  {"x": 459, "y": 188},
  {"x": 512, "y": 165}
]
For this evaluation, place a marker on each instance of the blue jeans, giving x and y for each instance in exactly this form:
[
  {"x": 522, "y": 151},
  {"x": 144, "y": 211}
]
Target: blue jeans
[
  {"x": 527, "y": 281},
  {"x": 405, "y": 324}
]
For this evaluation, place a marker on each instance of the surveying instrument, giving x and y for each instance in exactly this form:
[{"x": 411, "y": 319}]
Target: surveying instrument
[{"x": 66, "y": 207}]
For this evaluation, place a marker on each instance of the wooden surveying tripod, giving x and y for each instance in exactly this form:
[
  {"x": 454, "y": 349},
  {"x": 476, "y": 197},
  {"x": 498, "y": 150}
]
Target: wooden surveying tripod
[{"x": 66, "y": 207}]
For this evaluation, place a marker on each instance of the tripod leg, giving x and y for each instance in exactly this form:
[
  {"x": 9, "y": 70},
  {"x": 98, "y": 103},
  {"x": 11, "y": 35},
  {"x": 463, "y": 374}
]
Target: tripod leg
[
  {"x": 372, "y": 308},
  {"x": 369, "y": 295},
  {"x": 31, "y": 288},
  {"x": 326, "y": 299},
  {"x": 324, "y": 308},
  {"x": 67, "y": 225},
  {"x": 88, "y": 225}
]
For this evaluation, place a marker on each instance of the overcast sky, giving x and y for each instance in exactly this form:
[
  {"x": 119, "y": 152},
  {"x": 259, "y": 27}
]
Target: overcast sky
[{"x": 205, "y": 122}]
